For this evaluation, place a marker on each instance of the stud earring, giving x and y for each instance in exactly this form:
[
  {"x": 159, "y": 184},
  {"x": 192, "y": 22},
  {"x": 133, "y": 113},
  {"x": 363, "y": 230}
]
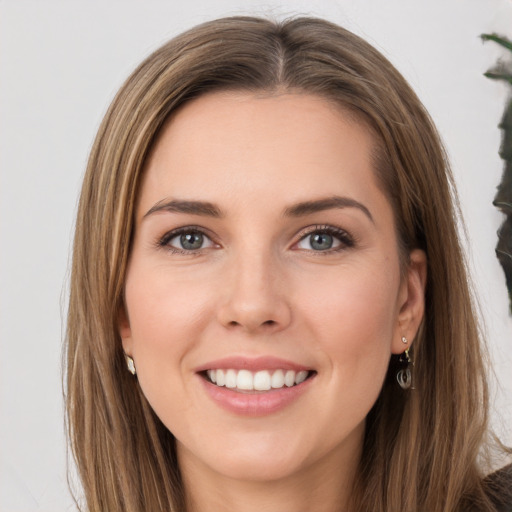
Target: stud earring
[
  {"x": 404, "y": 340},
  {"x": 130, "y": 364},
  {"x": 404, "y": 375}
]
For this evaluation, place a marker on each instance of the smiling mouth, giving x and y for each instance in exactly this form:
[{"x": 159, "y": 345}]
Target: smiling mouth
[{"x": 262, "y": 380}]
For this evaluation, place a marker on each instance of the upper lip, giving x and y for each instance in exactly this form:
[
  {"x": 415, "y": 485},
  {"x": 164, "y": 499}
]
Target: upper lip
[{"x": 252, "y": 364}]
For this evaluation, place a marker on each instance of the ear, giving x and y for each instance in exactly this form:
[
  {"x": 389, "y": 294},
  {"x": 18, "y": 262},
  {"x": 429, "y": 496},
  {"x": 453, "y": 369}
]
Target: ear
[
  {"x": 411, "y": 302},
  {"x": 123, "y": 327}
]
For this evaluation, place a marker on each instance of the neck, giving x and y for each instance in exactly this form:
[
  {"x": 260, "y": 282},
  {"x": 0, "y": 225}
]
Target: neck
[{"x": 325, "y": 486}]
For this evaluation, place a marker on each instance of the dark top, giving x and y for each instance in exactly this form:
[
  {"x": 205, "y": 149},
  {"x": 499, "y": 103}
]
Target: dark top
[{"x": 499, "y": 488}]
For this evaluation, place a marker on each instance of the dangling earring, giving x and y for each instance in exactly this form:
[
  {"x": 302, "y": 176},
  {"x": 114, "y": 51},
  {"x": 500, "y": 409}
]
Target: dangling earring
[
  {"x": 404, "y": 375},
  {"x": 130, "y": 364}
]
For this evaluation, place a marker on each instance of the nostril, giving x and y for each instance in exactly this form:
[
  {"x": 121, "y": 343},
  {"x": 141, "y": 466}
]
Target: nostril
[{"x": 267, "y": 323}]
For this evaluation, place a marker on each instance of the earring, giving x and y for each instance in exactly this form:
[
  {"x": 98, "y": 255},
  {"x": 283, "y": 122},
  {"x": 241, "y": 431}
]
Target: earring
[
  {"x": 404, "y": 340},
  {"x": 130, "y": 364},
  {"x": 404, "y": 375}
]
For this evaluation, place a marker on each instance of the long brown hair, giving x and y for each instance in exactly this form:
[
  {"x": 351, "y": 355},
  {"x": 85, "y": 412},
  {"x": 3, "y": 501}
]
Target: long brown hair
[{"x": 421, "y": 446}]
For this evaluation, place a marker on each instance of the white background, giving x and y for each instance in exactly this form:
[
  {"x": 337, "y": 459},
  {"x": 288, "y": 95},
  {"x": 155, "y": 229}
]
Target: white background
[{"x": 60, "y": 64}]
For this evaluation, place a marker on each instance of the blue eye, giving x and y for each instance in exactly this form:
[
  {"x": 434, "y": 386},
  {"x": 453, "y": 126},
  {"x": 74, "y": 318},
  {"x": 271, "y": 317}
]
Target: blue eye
[
  {"x": 326, "y": 238},
  {"x": 186, "y": 240},
  {"x": 321, "y": 241},
  {"x": 191, "y": 241}
]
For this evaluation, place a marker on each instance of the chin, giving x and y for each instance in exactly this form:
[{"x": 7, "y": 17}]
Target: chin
[
  {"x": 256, "y": 460},
  {"x": 257, "y": 469}
]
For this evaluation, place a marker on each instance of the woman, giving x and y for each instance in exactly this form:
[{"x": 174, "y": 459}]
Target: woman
[{"x": 265, "y": 260}]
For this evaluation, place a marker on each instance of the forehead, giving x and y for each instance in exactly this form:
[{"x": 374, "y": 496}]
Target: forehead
[{"x": 228, "y": 145}]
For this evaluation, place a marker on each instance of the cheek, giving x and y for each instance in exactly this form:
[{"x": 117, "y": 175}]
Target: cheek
[
  {"x": 165, "y": 315},
  {"x": 354, "y": 317},
  {"x": 162, "y": 304}
]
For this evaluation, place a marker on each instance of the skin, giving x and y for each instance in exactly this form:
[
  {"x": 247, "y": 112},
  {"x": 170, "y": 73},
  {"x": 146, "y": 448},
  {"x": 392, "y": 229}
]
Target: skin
[{"x": 257, "y": 287}]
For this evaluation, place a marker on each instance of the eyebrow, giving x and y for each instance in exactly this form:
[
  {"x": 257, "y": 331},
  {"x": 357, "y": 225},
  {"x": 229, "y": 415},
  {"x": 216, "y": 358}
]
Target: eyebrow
[
  {"x": 203, "y": 208},
  {"x": 207, "y": 209},
  {"x": 319, "y": 205}
]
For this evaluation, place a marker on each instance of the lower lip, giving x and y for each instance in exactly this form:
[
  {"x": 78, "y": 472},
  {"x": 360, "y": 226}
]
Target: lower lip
[{"x": 255, "y": 404}]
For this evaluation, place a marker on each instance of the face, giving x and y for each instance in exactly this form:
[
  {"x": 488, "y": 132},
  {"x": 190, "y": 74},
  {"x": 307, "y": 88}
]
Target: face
[{"x": 264, "y": 297}]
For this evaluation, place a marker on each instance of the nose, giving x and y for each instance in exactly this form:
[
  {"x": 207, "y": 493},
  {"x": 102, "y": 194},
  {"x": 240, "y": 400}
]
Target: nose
[{"x": 255, "y": 296}]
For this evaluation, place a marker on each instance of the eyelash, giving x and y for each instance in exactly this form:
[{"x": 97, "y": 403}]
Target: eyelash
[
  {"x": 163, "y": 243},
  {"x": 346, "y": 240}
]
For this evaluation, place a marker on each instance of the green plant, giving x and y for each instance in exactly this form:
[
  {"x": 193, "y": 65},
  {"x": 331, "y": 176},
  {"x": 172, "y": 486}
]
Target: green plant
[{"x": 503, "y": 199}]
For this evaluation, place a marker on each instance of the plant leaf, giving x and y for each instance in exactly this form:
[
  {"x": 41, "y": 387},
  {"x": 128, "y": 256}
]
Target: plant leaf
[
  {"x": 498, "y": 76},
  {"x": 502, "y": 41}
]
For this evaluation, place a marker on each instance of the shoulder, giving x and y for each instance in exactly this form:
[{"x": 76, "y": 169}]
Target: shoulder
[{"x": 498, "y": 486}]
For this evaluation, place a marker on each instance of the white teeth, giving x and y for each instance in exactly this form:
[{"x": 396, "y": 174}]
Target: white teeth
[
  {"x": 262, "y": 380},
  {"x": 231, "y": 379},
  {"x": 244, "y": 379},
  {"x": 278, "y": 379},
  {"x": 289, "y": 378},
  {"x": 301, "y": 377},
  {"x": 221, "y": 377}
]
